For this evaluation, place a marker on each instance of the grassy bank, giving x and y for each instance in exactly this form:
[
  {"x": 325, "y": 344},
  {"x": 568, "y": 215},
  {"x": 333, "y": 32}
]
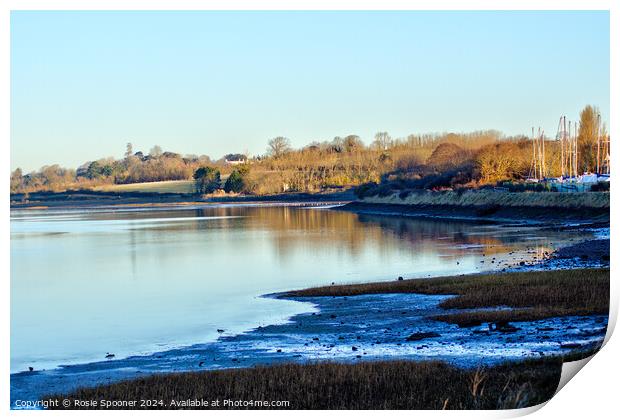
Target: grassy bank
[
  {"x": 377, "y": 385},
  {"x": 531, "y": 295},
  {"x": 489, "y": 199},
  {"x": 157, "y": 193},
  {"x": 171, "y": 187}
]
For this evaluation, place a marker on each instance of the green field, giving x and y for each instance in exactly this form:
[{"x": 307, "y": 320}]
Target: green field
[{"x": 178, "y": 187}]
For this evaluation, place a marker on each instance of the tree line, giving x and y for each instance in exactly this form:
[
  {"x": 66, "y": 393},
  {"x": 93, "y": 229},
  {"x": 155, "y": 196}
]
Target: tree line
[
  {"x": 445, "y": 160},
  {"x": 157, "y": 165}
]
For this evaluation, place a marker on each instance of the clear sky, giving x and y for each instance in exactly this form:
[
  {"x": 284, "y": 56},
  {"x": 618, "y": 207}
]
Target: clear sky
[{"x": 83, "y": 84}]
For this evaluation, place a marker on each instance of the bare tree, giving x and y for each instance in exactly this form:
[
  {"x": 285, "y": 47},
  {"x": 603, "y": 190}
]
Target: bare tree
[
  {"x": 129, "y": 150},
  {"x": 352, "y": 143},
  {"x": 383, "y": 141},
  {"x": 155, "y": 151},
  {"x": 279, "y": 146},
  {"x": 17, "y": 180}
]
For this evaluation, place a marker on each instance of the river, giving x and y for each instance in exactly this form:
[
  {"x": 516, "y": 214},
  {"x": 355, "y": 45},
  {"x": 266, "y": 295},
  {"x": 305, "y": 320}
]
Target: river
[{"x": 85, "y": 283}]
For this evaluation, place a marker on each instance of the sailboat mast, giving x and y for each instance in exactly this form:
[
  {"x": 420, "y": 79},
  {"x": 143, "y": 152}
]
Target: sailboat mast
[
  {"x": 598, "y": 144},
  {"x": 562, "y": 138},
  {"x": 570, "y": 150},
  {"x": 544, "y": 165},
  {"x": 534, "y": 153}
]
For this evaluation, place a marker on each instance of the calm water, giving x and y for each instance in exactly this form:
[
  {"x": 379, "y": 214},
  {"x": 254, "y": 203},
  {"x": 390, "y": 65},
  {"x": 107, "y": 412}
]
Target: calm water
[{"x": 84, "y": 283}]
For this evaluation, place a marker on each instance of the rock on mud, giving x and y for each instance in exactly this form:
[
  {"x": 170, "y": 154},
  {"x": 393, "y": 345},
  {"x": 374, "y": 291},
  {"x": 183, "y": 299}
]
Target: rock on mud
[{"x": 422, "y": 335}]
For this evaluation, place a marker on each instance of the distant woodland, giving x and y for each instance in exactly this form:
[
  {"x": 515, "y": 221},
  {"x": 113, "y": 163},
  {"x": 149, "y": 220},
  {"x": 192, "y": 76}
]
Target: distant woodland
[{"x": 427, "y": 161}]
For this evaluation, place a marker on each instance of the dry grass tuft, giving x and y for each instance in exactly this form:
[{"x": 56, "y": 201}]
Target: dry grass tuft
[
  {"x": 374, "y": 385},
  {"x": 533, "y": 295},
  {"x": 484, "y": 198}
]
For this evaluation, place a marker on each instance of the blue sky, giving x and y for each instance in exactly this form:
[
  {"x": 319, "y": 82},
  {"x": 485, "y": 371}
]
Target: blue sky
[{"x": 83, "y": 84}]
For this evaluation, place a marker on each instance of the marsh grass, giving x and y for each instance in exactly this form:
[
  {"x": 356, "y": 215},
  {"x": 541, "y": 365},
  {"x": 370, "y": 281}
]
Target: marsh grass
[
  {"x": 531, "y": 295},
  {"x": 487, "y": 199},
  {"x": 371, "y": 385},
  {"x": 399, "y": 384}
]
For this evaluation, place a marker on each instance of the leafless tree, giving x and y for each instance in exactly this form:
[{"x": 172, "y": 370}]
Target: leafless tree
[
  {"x": 129, "y": 150},
  {"x": 383, "y": 141},
  {"x": 352, "y": 143},
  {"x": 155, "y": 151},
  {"x": 278, "y": 146}
]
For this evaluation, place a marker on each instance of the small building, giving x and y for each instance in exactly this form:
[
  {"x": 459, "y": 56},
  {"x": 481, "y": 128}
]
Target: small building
[{"x": 235, "y": 159}]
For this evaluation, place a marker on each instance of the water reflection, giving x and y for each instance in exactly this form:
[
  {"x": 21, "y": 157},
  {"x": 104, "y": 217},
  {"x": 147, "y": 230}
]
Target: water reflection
[
  {"x": 310, "y": 226},
  {"x": 87, "y": 282}
]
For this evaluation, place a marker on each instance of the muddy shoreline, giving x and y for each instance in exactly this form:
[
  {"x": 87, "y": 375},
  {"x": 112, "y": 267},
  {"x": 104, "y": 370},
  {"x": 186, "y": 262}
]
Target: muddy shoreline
[
  {"x": 102, "y": 199},
  {"x": 345, "y": 329},
  {"x": 588, "y": 217},
  {"x": 583, "y": 216},
  {"x": 361, "y": 328}
]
